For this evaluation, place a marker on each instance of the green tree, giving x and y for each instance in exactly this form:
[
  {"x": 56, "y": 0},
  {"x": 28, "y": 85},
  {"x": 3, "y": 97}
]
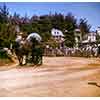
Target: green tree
[
  {"x": 7, "y": 30},
  {"x": 4, "y": 14},
  {"x": 84, "y": 26},
  {"x": 70, "y": 25}
]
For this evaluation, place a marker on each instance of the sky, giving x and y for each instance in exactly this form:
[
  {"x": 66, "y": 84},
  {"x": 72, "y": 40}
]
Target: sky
[{"x": 88, "y": 10}]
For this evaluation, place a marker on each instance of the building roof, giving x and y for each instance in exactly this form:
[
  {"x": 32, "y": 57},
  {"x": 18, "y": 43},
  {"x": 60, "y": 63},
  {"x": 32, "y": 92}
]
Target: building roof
[
  {"x": 85, "y": 41},
  {"x": 98, "y": 30},
  {"x": 77, "y": 30},
  {"x": 56, "y": 32},
  {"x": 92, "y": 34}
]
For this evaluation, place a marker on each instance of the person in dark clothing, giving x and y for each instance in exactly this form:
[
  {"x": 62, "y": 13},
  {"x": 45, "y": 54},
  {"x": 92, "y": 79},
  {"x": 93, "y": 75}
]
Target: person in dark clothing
[
  {"x": 99, "y": 51},
  {"x": 37, "y": 54}
]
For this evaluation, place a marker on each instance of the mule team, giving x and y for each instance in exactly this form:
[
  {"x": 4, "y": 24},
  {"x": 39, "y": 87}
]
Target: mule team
[{"x": 28, "y": 49}]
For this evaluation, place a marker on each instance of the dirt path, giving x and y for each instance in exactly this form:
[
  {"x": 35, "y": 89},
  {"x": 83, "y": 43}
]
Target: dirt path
[{"x": 62, "y": 76}]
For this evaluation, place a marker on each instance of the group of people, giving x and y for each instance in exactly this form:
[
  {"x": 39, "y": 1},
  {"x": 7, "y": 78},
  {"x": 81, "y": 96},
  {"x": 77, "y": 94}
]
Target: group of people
[{"x": 82, "y": 51}]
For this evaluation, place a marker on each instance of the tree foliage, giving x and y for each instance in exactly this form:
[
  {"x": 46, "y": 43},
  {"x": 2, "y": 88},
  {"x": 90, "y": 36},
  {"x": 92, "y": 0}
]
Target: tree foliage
[
  {"x": 84, "y": 26},
  {"x": 40, "y": 24}
]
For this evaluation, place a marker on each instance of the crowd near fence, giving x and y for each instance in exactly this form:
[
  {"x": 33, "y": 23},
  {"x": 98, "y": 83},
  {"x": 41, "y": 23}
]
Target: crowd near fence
[{"x": 82, "y": 51}]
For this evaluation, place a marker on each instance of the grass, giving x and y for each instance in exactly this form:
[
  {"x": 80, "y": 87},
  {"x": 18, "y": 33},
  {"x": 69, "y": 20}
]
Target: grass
[{"x": 5, "y": 61}]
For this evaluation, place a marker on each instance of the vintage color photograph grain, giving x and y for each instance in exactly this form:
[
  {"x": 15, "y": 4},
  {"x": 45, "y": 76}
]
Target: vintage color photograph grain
[{"x": 49, "y": 49}]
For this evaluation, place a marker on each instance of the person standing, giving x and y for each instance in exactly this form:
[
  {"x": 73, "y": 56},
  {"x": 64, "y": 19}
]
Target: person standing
[{"x": 98, "y": 50}]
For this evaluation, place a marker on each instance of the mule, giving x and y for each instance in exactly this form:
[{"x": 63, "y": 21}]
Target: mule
[{"x": 24, "y": 48}]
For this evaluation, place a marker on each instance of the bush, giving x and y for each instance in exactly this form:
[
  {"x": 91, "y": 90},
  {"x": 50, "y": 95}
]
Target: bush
[{"x": 3, "y": 54}]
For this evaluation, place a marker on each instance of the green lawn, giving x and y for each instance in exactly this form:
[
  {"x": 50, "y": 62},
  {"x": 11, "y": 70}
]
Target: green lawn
[{"x": 4, "y": 62}]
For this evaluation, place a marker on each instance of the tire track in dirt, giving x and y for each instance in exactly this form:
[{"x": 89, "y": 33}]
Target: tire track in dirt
[{"x": 51, "y": 79}]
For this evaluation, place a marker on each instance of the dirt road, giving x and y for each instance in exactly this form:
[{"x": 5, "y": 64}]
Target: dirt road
[{"x": 58, "y": 76}]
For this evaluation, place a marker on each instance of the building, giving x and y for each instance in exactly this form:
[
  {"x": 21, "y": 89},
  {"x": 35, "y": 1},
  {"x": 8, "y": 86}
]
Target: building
[
  {"x": 90, "y": 38},
  {"x": 57, "y": 35},
  {"x": 98, "y": 31},
  {"x": 86, "y": 39},
  {"x": 78, "y": 37}
]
